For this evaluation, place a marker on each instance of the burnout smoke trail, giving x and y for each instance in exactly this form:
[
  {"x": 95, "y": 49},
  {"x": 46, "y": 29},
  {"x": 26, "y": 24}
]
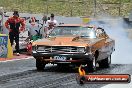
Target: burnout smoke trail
[{"x": 123, "y": 45}]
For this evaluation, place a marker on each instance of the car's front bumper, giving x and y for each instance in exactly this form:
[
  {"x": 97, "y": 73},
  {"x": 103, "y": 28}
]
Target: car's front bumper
[{"x": 76, "y": 57}]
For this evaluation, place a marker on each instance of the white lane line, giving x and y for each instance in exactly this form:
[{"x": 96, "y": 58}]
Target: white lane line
[
  {"x": 129, "y": 85},
  {"x": 17, "y": 59}
]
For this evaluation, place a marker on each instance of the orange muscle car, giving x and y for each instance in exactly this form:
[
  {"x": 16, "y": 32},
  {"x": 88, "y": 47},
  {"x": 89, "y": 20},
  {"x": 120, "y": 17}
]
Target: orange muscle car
[{"x": 74, "y": 44}]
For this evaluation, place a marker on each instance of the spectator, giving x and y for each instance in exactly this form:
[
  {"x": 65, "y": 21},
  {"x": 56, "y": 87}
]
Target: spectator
[
  {"x": 44, "y": 19},
  {"x": 13, "y": 25},
  {"x": 50, "y": 24},
  {"x": 48, "y": 18}
]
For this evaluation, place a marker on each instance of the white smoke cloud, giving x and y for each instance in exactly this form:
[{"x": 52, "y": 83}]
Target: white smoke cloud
[{"x": 114, "y": 27}]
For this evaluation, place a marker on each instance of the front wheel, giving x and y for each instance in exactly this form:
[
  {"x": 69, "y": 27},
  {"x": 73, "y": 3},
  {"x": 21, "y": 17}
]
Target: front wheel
[
  {"x": 40, "y": 65},
  {"x": 91, "y": 65}
]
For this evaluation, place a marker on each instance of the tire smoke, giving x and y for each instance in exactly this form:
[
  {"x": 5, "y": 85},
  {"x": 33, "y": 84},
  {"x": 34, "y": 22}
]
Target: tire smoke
[{"x": 116, "y": 29}]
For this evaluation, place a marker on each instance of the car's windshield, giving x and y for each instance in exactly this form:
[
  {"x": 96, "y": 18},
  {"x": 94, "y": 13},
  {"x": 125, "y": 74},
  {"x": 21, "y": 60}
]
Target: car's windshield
[{"x": 80, "y": 31}]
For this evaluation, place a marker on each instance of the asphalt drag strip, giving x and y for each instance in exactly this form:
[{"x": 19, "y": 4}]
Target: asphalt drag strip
[{"x": 23, "y": 74}]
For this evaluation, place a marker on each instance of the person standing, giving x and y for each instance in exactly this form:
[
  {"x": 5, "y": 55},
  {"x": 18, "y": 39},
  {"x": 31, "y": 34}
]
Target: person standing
[
  {"x": 51, "y": 24},
  {"x": 44, "y": 19},
  {"x": 15, "y": 25}
]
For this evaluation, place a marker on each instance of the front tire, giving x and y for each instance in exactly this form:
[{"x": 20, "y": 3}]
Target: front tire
[
  {"x": 91, "y": 65},
  {"x": 40, "y": 65}
]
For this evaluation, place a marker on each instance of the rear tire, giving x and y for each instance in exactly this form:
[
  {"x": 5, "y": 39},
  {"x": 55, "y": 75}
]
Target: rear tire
[
  {"x": 40, "y": 65},
  {"x": 105, "y": 63}
]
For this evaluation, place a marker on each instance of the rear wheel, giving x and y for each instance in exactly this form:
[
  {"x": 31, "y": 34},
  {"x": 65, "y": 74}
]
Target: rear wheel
[
  {"x": 105, "y": 63},
  {"x": 40, "y": 65}
]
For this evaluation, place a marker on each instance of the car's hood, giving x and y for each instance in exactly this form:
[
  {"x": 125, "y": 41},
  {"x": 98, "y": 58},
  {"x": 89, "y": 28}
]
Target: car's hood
[{"x": 65, "y": 41}]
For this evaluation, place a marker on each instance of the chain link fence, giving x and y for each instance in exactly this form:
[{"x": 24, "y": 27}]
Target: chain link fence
[{"x": 70, "y": 7}]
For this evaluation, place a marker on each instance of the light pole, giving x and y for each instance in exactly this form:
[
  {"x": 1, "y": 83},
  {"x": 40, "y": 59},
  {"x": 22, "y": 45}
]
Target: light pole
[
  {"x": 31, "y": 6},
  {"x": 47, "y": 7},
  {"x": 95, "y": 7},
  {"x": 120, "y": 8}
]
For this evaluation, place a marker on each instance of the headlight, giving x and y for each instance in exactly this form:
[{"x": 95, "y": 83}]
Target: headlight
[{"x": 81, "y": 49}]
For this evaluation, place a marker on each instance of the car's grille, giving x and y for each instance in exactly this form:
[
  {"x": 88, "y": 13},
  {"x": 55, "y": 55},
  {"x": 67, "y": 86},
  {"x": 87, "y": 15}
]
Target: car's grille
[{"x": 59, "y": 49}]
